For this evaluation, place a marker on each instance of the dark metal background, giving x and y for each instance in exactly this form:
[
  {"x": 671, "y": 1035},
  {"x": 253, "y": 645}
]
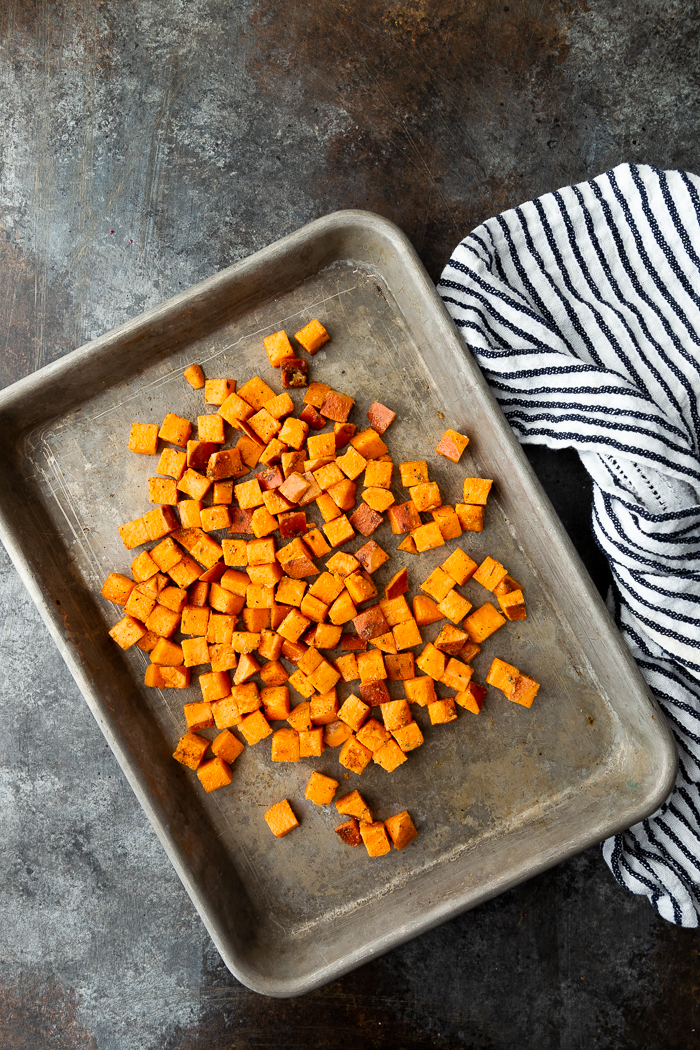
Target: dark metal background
[{"x": 144, "y": 145}]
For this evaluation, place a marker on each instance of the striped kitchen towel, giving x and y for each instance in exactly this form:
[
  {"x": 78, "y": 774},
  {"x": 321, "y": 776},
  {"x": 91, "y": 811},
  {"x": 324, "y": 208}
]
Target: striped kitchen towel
[{"x": 583, "y": 310}]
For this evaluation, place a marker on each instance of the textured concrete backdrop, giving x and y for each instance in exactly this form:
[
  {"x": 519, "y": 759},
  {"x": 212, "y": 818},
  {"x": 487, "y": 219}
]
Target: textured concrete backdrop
[{"x": 145, "y": 144}]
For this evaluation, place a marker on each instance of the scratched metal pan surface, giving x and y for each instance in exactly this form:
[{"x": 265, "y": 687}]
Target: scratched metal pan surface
[{"x": 495, "y": 797}]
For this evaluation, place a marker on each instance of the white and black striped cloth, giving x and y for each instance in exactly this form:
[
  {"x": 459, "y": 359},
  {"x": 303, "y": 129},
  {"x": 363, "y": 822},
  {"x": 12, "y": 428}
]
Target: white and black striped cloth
[{"x": 583, "y": 310}]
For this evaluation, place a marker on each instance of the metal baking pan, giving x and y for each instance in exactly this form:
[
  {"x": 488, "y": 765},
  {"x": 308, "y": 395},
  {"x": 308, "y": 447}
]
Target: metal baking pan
[{"x": 496, "y": 798}]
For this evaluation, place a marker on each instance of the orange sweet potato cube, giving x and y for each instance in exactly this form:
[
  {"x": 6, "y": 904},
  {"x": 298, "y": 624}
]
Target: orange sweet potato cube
[
  {"x": 426, "y": 496},
  {"x": 353, "y": 805},
  {"x": 280, "y": 819},
  {"x": 459, "y": 566},
  {"x": 339, "y": 531},
  {"x": 490, "y": 573},
  {"x": 163, "y": 622},
  {"x": 414, "y": 472},
  {"x": 432, "y": 662},
  {"x": 190, "y": 750},
  {"x": 198, "y": 715},
  {"x": 401, "y": 829},
  {"x": 452, "y": 445},
  {"x": 525, "y": 691},
  {"x": 375, "y": 839},
  {"x": 139, "y": 605},
  {"x": 324, "y": 677},
  {"x": 457, "y": 674},
  {"x": 174, "y": 677},
  {"x": 117, "y": 588},
  {"x": 451, "y": 640},
  {"x": 194, "y": 376},
  {"x": 370, "y": 666},
  {"x": 354, "y": 755},
  {"x": 162, "y": 490},
  {"x": 373, "y": 735},
  {"x": 175, "y": 429},
  {"x": 454, "y": 606},
  {"x": 248, "y": 494},
  {"x": 217, "y": 390},
  {"x": 143, "y": 438},
  {"x": 216, "y": 517},
  {"x": 390, "y": 756},
  {"x": 320, "y": 789},
  {"x": 299, "y": 717},
  {"x": 442, "y": 711},
  {"x": 316, "y": 394},
  {"x": 396, "y": 713},
  {"x": 378, "y": 474},
  {"x": 427, "y": 537},
  {"x": 328, "y": 635},
  {"x": 476, "y": 490},
  {"x": 226, "y": 713},
  {"x": 273, "y": 673},
  {"x": 312, "y": 336},
  {"x": 408, "y": 737},
  {"x": 513, "y": 605},
  {"x": 215, "y": 685},
  {"x": 278, "y": 348},
  {"x": 351, "y": 463},
  {"x": 194, "y": 484},
  {"x": 471, "y": 698},
  {"x": 399, "y": 667},
  {"x": 482, "y": 623},
  {"x": 336, "y": 733},
  {"x": 254, "y": 727},
  {"x": 247, "y": 696},
  {"x": 190, "y": 511},
  {"x": 127, "y": 632},
  {"x": 353, "y": 712},
  {"x": 425, "y": 611},
  {"x": 172, "y": 463},
  {"x": 336, "y": 406},
  {"x": 406, "y": 634},
  {"x": 448, "y": 522},
  {"x": 386, "y": 643},
  {"x": 470, "y": 516},
  {"x": 167, "y": 653},
  {"x": 438, "y": 584},
  {"x": 227, "y": 746},
  {"x": 195, "y": 651},
  {"x": 347, "y": 666},
  {"x": 503, "y": 676},
  {"x": 323, "y": 708},
  {"x": 368, "y": 443},
  {"x": 285, "y": 745},
  {"x": 311, "y": 742},
  {"x": 222, "y": 656},
  {"x": 396, "y": 610},
  {"x": 420, "y": 690},
  {"x": 256, "y": 392},
  {"x": 403, "y": 517},
  {"x": 134, "y": 533}
]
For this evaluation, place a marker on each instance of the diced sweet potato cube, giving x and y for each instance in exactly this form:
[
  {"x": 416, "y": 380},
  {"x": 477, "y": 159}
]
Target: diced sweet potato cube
[
  {"x": 470, "y": 516},
  {"x": 336, "y": 733},
  {"x": 280, "y": 406},
  {"x": 324, "y": 677},
  {"x": 249, "y": 494},
  {"x": 226, "y": 713},
  {"x": 370, "y": 666},
  {"x": 215, "y": 685},
  {"x": 343, "y": 432},
  {"x": 117, "y": 588},
  {"x": 349, "y": 832},
  {"x": 162, "y": 490},
  {"x": 457, "y": 675},
  {"x": 438, "y": 585},
  {"x": 311, "y": 743},
  {"x": 378, "y": 499},
  {"x": 190, "y": 511},
  {"x": 299, "y": 717},
  {"x": 235, "y": 552},
  {"x": 399, "y": 667},
  {"x": 190, "y": 750},
  {"x": 280, "y": 819},
  {"x": 482, "y": 623},
  {"x": 354, "y": 755},
  {"x": 323, "y": 708},
  {"x": 471, "y": 698},
  {"x": 447, "y": 521},
  {"x": 413, "y": 473},
  {"x": 525, "y": 691},
  {"x": 373, "y": 735},
  {"x": 265, "y": 425},
  {"x": 254, "y": 727},
  {"x": 386, "y": 643},
  {"x": 127, "y": 632},
  {"x": 148, "y": 642},
  {"x": 374, "y": 693},
  {"x": 339, "y": 531},
  {"x": 432, "y": 662},
  {"x": 210, "y": 430},
  {"x": 247, "y": 667},
  {"x": 353, "y": 805},
  {"x": 227, "y": 746},
  {"x": 459, "y": 566},
  {"x": 194, "y": 376},
  {"x": 442, "y": 711},
  {"x": 427, "y": 537},
  {"x": 425, "y": 611},
  {"x": 476, "y": 490},
  {"x": 371, "y": 623},
  {"x": 134, "y": 533},
  {"x": 143, "y": 438},
  {"x": 336, "y": 406},
  {"x": 174, "y": 677},
  {"x": 396, "y": 609},
  {"x": 200, "y": 452},
  {"x": 426, "y": 496},
  {"x": 353, "y": 712},
  {"x": 198, "y": 715},
  {"x": 360, "y": 587},
  {"x": 401, "y": 829},
  {"x": 172, "y": 463},
  {"x": 408, "y": 737},
  {"x": 454, "y": 606},
  {"x": 167, "y": 653},
  {"x": 342, "y": 610},
  {"x": 294, "y": 432},
  {"x": 403, "y": 517},
  {"x": 316, "y": 394},
  {"x": 380, "y": 417},
  {"x": 194, "y": 484},
  {"x": 490, "y": 573},
  {"x": 290, "y": 592},
  {"x": 294, "y": 487},
  {"x": 216, "y": 517},
  {"x": 343, "y": 494},
  {"x": 503, "y": 676},
  {"x": 217, "y": 390},
  {"x": 163, "y": 622},
  {"x": 263, "y": 523},
  {"x": 365, "y": 520},
  {"x": 273, "y": 673},
  {"x": 312, "y": 336},
  {"x": 390, "y": 756},
  {"x": 371, "y": 556},
  {"x": 278, "y": 348},
  {"x": 293, "y": 626},
  {"x": 420, "y": 690},
  {"x": 294, "y": 372},
  {"x": 406, "y": 634},
  {"x": 159, "y": 522},
  {"x": 313, "y": 417},
  {"x": 451, "y": 640},
  {"x": 227, "y": 463},
  {"x": 139, "y": 605},
  {"x": 396, "y": 713},
  {"x": 222, "y": 657},
  {"x": 342, "y": 564},
  {"x": 397, "y": 585},
  {"x": 513, "y": 605},
  {"x": 347, "y": 666},
  {"x": 175, "y": 429},
  {"x": 369, "y": 444},
  {"x": 256, "y": 392},
  {"x": 195, "y": 652},
  {"x": 285, "y": 745},
  {"x": 452, "y": 445}
]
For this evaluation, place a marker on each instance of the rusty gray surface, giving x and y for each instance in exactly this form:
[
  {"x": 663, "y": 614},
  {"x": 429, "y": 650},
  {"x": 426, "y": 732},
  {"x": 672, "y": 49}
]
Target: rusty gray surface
[{"x": 199, "y": 134}]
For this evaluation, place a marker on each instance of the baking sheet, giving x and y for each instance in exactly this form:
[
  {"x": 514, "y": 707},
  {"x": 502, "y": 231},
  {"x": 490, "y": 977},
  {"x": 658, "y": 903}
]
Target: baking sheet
[{"x": 495, "y": 797}]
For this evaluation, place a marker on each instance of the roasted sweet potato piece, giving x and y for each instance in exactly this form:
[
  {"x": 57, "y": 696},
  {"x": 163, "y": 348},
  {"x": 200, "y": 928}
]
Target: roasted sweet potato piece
[
  {"x": 336, "y": 406},
  {"x": 194, "y": 376},
  {"x": 280, "y": 819},
  {"x": 365, "y": 520},
  {"x": 401, "y": 829},
  {"x": 451, "y": 640},
  {"x": 370, "y": 623},
  {"x": 397, "y": 585},
  {"x": 294, "y": 372},
  {"x": 380, "y": 417},
  {"x": 349, "y": 832},
  {"x": 452, "y": 445},
  {"x": 313, "y": 417},
  {"x": 312, "y": 336},
  {"x": 403, "y": 517}
]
